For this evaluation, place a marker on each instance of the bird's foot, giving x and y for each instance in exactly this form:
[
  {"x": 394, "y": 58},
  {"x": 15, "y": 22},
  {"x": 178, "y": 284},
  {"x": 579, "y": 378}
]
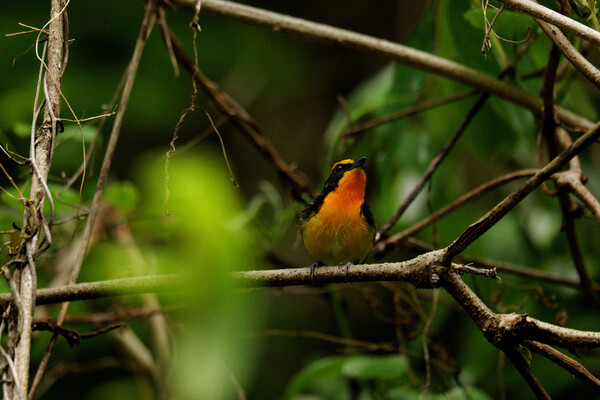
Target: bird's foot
[
  {"x": 346, "y": 265},
  {"x": 312, "y": 271}
]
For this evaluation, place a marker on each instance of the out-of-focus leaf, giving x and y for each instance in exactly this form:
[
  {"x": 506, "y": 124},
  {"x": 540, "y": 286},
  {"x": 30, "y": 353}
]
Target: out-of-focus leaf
[
  {"x": 456, "y": 393},
  {"x": 374, "y": 367},
  {"x": 321, "y": 369},
  {"x": 267, "y": 213},
  {"x": 118, "y": 389},
  {"x": 21, "y": 129},
  {"x": 124, "y": 196},
  {"x": 196, "y": 239},
  {"x": 367, "y": 97}
]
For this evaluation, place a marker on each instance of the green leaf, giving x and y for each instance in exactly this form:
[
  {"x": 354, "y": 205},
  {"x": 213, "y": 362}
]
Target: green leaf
[
  {"x": 456, "y": 393},
  {"x": 324, "y": 368},
  {"x": 124, "y": 196},
  {"x": 374, "y": 367},
  {"x": 21, "y": 129}
]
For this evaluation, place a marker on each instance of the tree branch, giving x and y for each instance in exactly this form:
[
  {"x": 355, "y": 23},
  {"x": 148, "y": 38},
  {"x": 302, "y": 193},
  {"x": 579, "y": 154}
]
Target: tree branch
[
  {"x": 563, "y": 22},
  {"x": 403, "y": 54},
  {"x": 243, "y": 122},
  {"x": 523, "y": 368},
  {"x": 36, "y": 230},
  {"x": 101, "y": 289},
  {"x": 570, "y": 365},
  {"x": 145, "y": 30},
  {"x": 492, "y": 217},
  {"x": 586, "y": 68},
  {"x": 392, "y": 242}
]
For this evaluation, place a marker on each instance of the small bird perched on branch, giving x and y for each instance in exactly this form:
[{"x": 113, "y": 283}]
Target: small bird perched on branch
[{"x": 338, "y": 227}]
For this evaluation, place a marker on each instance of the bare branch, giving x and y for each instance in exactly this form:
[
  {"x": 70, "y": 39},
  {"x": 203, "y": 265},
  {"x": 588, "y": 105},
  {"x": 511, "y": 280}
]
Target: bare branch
[
  {"x": 406, "y": 55},
  {"x": 526, "y": 372},
  {"x": 145, "y": 30},
  {"x": 565, "y": 23},
  {"x": 586, "y": 68},
  {"x": 570, "y": 365},
  {"x": 487, "y": 221},
  {"x": 111, "y": 288},
  {"x": 391, "y": 242},
  {"x": 413, "y": 110},
  {"x": 408, "y": 271},
  {"x": 243, "y": 122}
]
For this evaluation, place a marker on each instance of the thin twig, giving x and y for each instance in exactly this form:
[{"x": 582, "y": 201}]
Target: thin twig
[
  {"x": 526, "y": 372},
  {"x": 410, "y": 111},
  {"x": 489, "y": 28},
  {"x": 567, "y": 363},
  {"x": 392, "y": 242},
  {"x": 244, "y": 123}
]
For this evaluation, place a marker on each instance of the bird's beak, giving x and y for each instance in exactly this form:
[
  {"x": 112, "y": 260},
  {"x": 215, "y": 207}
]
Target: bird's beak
[{"x": 359, "y": 163}]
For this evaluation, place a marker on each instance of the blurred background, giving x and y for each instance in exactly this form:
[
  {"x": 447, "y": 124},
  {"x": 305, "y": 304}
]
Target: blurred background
[{"x": 359, "y": 341}]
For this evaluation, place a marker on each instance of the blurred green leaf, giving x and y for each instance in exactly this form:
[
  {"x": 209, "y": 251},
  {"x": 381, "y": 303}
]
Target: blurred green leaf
[
  {"x": 322, "y": 369},
  {"x": 456, "y": 393},
  {"x": 22, "y": 129},
  {"x": 124, "y": 196},
  {"x": 118, "y": 389},
  {"x": 205, "y": 245},
  {"x": 374, "y": 367}
]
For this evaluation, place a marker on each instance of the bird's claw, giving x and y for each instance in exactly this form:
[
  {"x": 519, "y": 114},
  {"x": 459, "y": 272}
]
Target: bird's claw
[
  {"x": 346, "y": 265},
  {"x": 312, "y": 271}
]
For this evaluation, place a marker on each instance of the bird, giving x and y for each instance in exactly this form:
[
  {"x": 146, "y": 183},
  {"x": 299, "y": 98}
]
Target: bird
[{"x": 338, "y": 228}]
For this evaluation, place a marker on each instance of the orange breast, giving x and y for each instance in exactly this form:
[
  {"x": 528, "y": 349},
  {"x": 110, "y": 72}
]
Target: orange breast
[{"x": 338, "y": 233}]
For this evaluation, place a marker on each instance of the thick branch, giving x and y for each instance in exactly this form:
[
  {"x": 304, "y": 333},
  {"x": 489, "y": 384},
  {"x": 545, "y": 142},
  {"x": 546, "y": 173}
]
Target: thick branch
[
  {"x": 421, "y": 271},
  {"x": 424, "y": 271},
  {"x": 403, "y": 54}
]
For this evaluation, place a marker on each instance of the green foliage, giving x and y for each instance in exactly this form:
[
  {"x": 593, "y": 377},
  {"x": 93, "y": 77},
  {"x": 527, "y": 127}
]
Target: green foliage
[
  {"x": 365, "y": 367},
  {"x": 327, "y": 377},
  {"x": 456, "y": 393}
]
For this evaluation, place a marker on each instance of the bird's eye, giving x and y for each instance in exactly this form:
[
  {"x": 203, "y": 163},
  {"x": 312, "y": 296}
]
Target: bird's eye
[{"x": 339, "y": 167}]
